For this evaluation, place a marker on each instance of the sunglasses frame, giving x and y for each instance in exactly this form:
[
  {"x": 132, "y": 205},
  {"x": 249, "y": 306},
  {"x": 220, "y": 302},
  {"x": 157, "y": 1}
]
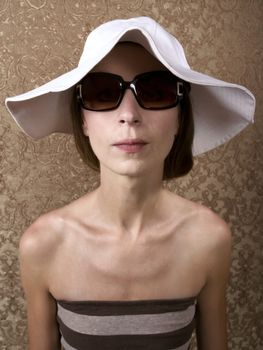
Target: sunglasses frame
[{"x": 124, "y": 85}]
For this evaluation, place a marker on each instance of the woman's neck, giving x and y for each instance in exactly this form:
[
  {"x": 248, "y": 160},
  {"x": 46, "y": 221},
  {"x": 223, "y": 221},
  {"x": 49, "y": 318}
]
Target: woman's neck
[{"x": 130, "y": 203}]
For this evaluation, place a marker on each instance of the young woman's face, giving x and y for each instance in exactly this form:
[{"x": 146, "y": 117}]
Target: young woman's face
[{"x": 130, "y": 140}]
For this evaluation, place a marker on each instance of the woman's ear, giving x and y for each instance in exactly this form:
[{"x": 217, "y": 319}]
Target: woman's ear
[
  {"x": 84, "y": 124},
  {"x": 85, "y": 128}
]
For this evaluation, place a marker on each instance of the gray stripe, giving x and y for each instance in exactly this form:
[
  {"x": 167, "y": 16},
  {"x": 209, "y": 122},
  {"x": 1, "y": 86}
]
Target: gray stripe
[
  {"x": 127, "y": 324},
  {"x": 65, "y": 345}
]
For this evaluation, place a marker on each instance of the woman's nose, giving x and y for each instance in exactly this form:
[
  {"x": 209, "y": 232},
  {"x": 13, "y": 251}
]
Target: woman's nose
[{"x": 129, "y": 110}]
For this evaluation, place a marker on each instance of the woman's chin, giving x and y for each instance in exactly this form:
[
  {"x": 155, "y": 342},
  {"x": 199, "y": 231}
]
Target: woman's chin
[{"x": 132, "y": 169}]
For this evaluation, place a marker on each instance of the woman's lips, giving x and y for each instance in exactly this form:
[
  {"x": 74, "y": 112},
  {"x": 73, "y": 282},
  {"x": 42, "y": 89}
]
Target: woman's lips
[{"x": 131, "y": 145}]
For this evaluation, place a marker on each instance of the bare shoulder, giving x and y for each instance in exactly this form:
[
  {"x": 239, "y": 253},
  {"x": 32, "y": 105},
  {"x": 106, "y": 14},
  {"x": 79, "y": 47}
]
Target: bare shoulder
[
  {"x": 202, "y": 232},
  {"x": 213, "y": 229},
  {"x": 210, "y": 224},
  {"x": 203, "y": 224},
  {"x": 209, "y": 236},
  {"x": 37, "y": 252},
  {"x": 50, "y": 231},
  {"x": 41, "y": 240},
  {"x": 214, "y": 242}
]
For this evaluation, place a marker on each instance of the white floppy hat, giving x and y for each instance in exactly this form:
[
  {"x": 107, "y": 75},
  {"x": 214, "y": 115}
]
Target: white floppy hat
[{"x": 220, "y": 109}]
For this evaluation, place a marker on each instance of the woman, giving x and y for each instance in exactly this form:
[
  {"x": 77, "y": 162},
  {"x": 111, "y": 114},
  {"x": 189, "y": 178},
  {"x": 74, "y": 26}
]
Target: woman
[{"x": 130, "y": 265}]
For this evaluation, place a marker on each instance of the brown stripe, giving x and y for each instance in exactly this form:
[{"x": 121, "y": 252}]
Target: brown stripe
[
  {"x": 127, "y": 324},
  {"x": 66, "y": 346},
  {"x": 127, "y": 307},
  {"x": 164, "y": 341}
]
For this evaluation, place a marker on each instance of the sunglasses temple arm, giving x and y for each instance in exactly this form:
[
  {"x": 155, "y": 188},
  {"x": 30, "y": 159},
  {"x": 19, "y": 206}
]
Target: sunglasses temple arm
[{"x": 180, "y": 87}]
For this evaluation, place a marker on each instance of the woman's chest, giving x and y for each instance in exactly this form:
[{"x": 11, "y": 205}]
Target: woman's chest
[{"x": 124, "y": 270}]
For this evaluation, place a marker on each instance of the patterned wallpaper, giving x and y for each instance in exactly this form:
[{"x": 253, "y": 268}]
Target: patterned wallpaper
[{"x": 39, "y": 39}]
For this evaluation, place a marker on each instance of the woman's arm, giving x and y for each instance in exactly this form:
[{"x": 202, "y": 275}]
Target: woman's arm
[
  {"x": 35, "y": 257},
  {"x": 211, "y": 308}
]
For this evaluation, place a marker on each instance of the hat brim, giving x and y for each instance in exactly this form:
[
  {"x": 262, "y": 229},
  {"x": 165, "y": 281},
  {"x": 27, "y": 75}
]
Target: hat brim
[{"x": 220, "y": 109}]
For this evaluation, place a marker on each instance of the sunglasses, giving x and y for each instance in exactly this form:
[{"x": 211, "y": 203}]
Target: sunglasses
[{"x": 153, "y": 90}]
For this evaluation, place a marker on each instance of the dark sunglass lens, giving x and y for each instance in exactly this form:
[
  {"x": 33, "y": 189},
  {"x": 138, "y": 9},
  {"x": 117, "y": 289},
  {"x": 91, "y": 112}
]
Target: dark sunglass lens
[
  {"x": 157, "y": 90},
  {"x": 100, "y": 92}
]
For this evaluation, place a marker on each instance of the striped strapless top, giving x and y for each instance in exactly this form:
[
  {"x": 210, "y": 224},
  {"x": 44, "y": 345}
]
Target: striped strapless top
[{"x": 158, "y": 324}]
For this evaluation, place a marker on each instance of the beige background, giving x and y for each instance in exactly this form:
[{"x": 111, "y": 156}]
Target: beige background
[{"x": 39, "y": 39}]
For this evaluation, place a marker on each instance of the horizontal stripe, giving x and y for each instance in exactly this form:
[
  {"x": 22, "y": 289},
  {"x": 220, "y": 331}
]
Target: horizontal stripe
[
  {"x": 163, "y": 341},
  {"x": 66, "y": 346},
  {"x": 156, "y": 324},
  {"x": 126, "y": 324},
  {"x": 126, "y": 307}
]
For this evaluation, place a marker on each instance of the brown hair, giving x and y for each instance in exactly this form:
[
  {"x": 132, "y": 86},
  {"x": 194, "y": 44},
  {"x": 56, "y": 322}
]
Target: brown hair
[{"x": 179, "y": 160}]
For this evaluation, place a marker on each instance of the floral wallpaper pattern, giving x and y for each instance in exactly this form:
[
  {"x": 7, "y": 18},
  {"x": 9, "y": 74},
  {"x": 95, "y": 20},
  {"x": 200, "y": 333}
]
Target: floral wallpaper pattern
[{"x": 40, "y": 39}]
